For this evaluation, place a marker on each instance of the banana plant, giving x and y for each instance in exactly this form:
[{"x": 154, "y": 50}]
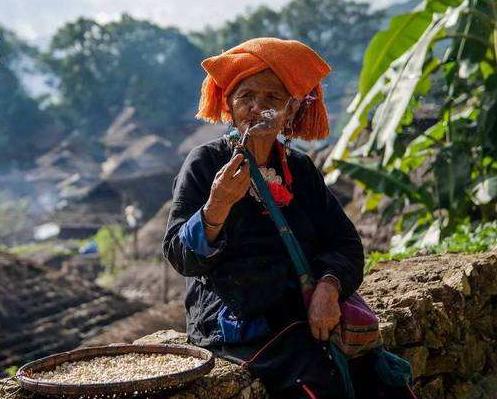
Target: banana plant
[{"x": 443, "y": 51}]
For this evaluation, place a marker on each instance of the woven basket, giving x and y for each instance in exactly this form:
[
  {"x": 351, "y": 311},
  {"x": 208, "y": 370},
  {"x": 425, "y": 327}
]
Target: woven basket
[{"x": 120, "y": 389}]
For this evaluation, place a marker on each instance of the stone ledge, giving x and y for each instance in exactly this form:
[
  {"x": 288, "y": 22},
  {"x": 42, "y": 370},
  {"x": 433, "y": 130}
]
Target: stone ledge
[
  {"x": 440, "y": 312},
  {"x": 225, "y": 381}
]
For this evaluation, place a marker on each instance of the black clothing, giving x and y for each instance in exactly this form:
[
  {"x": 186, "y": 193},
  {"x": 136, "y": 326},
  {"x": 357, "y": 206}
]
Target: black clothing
[{"x": 252, "y": 273}]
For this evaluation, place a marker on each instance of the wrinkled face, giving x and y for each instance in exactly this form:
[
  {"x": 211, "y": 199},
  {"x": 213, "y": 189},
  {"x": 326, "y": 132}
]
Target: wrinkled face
[{"x": 256, "y": 93}]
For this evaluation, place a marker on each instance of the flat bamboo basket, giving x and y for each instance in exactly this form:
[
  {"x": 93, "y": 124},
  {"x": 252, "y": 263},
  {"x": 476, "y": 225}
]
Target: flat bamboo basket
[{"x": 132, "y": 388}]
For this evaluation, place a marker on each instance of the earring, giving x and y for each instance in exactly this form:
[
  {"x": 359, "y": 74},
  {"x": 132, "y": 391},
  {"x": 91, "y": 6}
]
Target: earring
[{"x": 288, "y": 137}]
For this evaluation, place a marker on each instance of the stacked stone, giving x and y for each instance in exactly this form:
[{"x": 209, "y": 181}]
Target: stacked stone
[{"x": 440, "y": 312}]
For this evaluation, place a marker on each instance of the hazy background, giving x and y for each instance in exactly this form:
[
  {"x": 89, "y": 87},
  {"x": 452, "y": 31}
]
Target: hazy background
[{"x": 37, "y": 20}]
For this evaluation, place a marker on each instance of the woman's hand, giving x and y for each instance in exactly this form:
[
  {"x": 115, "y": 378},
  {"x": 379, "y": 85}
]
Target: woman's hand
[
  {"x": 324, "y": 310},
  {"x": 229, "y": 186}
]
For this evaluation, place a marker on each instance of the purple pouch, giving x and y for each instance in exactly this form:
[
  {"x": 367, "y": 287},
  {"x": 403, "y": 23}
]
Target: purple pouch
[{"x": 358, "y": 330}]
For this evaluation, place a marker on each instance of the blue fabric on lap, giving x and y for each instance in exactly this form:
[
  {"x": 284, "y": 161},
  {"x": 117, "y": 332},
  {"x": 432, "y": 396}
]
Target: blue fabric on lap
[{"x": 235, "y": 331}]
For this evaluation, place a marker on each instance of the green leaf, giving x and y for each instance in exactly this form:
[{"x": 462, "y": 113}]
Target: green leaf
[
  {"x": 430, "y": 137},
  {"x": 388, "y": 45},
  {"x": 440, "y": 6},
  {"x": 402, "y": 33},
  {"x": 452, "y": 169},
  {"x": 391, "y": 183},
  {"x": 474, "y": 26},
  {"x": 390, "y": 112},
  {"x": 352, "y": 129},
  {"x": 372, "y": 201},
  {"x": 487, "y": 69},
  {"x": 375, "y": 76},
  {"x": 487, "y": 122},
  {"x": 421, "y": 147},
  {"x": 424, "y": 84}
]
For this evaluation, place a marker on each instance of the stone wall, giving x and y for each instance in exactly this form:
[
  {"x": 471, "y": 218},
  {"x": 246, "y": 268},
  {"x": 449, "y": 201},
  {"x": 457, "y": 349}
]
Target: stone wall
[{"x": 438, "y": 311}]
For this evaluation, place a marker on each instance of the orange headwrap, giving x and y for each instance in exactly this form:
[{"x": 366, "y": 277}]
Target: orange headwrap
[{"x": 298, "y": 67}]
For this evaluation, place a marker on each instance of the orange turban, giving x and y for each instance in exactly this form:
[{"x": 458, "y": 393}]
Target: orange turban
[{"x": 298, "y": 67}]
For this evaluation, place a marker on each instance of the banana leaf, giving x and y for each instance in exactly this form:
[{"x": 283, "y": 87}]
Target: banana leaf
[
  {"x": 393, "y": 184},
  {"x": 389, "y": 114},
  {"x": 388, "y": 45},
  {"x": 387, "y": 51},
  {"x": 402, "y": 33}
]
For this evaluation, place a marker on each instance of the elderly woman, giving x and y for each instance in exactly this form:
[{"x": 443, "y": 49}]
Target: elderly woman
[{"x": 243, "y": 299}]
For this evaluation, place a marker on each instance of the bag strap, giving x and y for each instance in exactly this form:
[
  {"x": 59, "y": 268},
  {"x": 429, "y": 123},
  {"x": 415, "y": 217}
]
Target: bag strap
[
  {"x": 294, "y": 249},
  {"x": 300, "y": 263}
]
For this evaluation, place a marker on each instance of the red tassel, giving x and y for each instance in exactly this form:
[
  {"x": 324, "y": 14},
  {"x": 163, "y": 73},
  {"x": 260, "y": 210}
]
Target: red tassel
[{"x": 314, "y": 122}]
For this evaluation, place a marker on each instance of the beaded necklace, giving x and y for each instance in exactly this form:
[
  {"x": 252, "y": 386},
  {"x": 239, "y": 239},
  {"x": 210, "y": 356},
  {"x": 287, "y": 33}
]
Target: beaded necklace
[{"x": 279, "y": 187}]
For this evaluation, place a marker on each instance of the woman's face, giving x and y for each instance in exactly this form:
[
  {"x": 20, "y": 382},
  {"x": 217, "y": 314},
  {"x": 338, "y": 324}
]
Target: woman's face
[{"x": 257, "y": 93}]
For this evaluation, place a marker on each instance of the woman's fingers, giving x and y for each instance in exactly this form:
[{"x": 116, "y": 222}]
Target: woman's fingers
[
  {"x": 235, "y": 171},
  {"x": 324, "y": 313},
  {"x": 242, "y": 171},
  {"x": 242, "y": 182},
  {"x": 223, "y": 168},
  {"x": 320, "y": 330},
  {"x": 233, "y": 164},
  {"x": 232, "y": 180},
  {"x": 316, "y": 332}
]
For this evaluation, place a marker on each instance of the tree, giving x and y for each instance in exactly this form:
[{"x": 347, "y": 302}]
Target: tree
[
  {"x": 20, "y": 116},
  {"x": 448, "y": 172},
  {"x": 262, "y": 21},
  {"x": 129, "y": 62}
]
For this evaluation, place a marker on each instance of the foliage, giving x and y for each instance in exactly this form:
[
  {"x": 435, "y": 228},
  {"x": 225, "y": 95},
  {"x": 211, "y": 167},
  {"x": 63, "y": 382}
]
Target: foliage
[
  {"x": 438, "y": 176},
  {"x": 20, "y": 116},
  {"x": 110, "y": 240},
  {"x": 103, "y": 67},
  {"x": 13, "y": 215},
  {"x": 11, "y": 371},
  {"x": 375, "y": 257},
  {"x": 69, "y": 248},
  {"x": 466, "y": 238}
]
